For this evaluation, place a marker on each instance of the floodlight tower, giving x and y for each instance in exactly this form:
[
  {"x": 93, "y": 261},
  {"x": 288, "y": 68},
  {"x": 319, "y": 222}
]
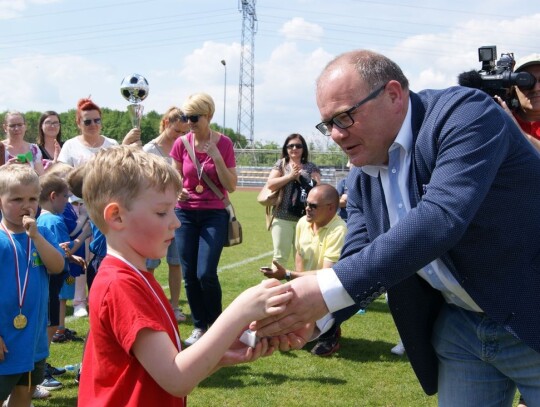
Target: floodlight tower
[{"x": 246, "y": 98}]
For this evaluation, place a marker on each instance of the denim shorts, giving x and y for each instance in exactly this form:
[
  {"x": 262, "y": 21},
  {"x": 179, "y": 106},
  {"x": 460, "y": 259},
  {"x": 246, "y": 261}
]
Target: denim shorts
[
  {"x": 172, "y": 257},
  {"x": 8, "y": 382}
]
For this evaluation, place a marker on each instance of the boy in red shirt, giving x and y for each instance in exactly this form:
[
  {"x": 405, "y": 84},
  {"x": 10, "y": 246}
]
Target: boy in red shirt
[{"x": 132, "y": 356}]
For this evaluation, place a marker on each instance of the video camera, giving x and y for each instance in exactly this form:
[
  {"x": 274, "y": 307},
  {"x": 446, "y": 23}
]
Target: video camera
[{"x": 496, "y": 78}]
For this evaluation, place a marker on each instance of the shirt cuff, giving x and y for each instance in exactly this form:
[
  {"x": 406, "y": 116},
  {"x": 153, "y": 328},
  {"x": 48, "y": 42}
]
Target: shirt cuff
[{"x": 334, "y": 294}]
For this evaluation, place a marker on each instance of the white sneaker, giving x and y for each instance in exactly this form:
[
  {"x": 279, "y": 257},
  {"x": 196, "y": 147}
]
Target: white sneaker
[
  {"x": 80, "y": 311},
  {"x": 41, "y": 393},
  {"x": 179, "y": 315},
  {"x": 399, "y": 349},
  {"x": 195, "y": 336}
]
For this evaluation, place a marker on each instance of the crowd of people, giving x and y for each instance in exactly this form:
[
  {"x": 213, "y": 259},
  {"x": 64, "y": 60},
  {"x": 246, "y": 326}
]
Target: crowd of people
[{"x": 441, "y": 167}]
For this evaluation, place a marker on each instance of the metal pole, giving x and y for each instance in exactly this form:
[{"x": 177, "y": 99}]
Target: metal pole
[{"x": 224, "y": 93}]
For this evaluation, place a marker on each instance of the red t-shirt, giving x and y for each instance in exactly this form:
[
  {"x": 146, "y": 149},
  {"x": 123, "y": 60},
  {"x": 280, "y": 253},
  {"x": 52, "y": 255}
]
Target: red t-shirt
[
  {"x": 121, "y": 305},
  {"x": 532, "y": 128}
]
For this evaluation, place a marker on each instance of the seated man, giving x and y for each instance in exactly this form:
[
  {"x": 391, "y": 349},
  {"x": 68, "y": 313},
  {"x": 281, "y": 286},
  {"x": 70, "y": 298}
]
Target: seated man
[{"x": 319, "y": 238}]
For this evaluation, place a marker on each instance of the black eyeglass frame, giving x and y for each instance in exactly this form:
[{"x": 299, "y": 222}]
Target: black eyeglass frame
[{"x": 325, "y": 127}]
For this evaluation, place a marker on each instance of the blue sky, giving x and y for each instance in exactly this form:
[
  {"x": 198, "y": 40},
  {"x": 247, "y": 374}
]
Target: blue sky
[{"x": 53, "y": 52}]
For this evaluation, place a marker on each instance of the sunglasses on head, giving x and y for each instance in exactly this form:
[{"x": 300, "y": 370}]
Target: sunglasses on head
[
  {"x": 193, "y": 118},
  {"x": 297, "y": 146},
  {"x": 88, "y": 122}
]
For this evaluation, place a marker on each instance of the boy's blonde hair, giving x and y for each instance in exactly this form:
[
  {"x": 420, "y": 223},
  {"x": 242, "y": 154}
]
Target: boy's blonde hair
[
  {"x": 59, "y": 168},
  {"x": 51, "y": 183},
  {"x": 14, "y": 175},
  {"x": 119, "y": 174}
]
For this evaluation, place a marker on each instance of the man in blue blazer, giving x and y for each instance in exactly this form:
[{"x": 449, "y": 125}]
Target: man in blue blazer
[{"x": 444, "y": 214}]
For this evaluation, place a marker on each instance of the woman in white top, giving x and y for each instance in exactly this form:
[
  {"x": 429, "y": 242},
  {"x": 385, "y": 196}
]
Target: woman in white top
[{"x": 171, "y": 127}]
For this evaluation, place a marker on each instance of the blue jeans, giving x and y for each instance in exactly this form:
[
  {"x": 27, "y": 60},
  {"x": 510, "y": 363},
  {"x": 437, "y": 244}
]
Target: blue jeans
[
  {"x": 481, "y": 363},
  {"x": 200, "y": 240}
]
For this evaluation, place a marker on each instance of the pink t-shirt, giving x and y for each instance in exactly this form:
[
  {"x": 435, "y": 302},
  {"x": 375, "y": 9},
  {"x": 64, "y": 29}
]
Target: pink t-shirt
[
  {"x": 205, "y": 199},
  {"x": 123, "y": 305}
]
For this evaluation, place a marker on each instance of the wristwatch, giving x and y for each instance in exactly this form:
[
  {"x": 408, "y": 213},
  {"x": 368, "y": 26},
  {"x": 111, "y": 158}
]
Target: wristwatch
[{"x": 287, "y": 275}]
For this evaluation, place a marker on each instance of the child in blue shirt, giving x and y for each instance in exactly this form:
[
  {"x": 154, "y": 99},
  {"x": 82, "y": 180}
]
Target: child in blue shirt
[{"x": 28, "y": 253}]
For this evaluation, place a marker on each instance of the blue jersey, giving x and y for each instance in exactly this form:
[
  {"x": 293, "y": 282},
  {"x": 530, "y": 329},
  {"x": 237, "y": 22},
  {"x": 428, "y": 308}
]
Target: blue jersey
[{"x": 28, "y": 345}]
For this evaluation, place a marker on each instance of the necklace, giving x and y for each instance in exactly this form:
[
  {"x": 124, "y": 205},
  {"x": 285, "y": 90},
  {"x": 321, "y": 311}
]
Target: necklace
[
  {"x": 20, "y": 321},
  {"x": 136, "y": 270},
  {"x": 200, "y": 168}
]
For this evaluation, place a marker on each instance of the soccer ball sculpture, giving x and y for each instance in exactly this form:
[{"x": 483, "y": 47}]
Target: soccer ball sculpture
[{"x": 134, "y": 88}]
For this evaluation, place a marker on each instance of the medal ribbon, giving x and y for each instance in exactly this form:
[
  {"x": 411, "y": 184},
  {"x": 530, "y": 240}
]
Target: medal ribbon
[
  {"x": 175, "y": 327},
  {"x": 199, "y": 166},
  {"x": 21, "y": 292}
]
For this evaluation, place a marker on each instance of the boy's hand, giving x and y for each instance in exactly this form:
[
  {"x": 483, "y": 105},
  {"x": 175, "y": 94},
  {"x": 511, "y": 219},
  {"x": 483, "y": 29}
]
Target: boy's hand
[
  {"x": 29, "y": 224},
  {"x": 78, "y": 260},
  {"x": 241, "y": 353},
  {"x": 266, "y": 299},
  {"x": 3, "y": 349}
]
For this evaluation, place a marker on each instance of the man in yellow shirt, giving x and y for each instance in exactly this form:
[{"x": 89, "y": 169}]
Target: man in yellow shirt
[{"x": 320, "y": 235}]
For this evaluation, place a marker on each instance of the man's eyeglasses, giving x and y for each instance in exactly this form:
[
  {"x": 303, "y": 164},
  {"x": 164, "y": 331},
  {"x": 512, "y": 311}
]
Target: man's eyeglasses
[
  {"x": 88, "y": 122},
  {"x": 193, "y": 118},
  {"x": 16, "y": 125},
  {"x": 298, "y": 146},
  {"x": 345, "y": 120}
]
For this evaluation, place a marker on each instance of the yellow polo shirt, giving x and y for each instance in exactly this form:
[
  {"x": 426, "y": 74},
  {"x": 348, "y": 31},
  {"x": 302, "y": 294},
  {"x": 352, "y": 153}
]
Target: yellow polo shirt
[{"x": 316, "y": 248}]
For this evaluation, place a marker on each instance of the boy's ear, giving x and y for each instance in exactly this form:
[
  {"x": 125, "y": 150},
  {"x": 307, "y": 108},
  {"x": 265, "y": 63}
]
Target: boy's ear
[{"x": 113, "y": 216}]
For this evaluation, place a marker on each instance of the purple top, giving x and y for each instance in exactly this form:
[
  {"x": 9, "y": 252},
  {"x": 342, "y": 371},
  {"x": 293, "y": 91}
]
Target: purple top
[{"x": 205, "y": 199}]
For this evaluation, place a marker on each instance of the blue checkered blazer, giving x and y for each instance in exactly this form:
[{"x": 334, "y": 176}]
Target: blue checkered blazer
[{"x": 475, "y": 197}]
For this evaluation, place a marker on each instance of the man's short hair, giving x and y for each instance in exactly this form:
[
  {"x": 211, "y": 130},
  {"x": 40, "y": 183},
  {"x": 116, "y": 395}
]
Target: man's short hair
[
  {"x": 15, "y": 174},
  {"x": 119, "y": 174},
  {"x": 51, "y": 183}
]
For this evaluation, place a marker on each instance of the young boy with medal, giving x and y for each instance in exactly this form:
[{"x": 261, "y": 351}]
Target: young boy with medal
[
  {"x": 28, "y": 253},
  {"x": 133, "y": 352}
]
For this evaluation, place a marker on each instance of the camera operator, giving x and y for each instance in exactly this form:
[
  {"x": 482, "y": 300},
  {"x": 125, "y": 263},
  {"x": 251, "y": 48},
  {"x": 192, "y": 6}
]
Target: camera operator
[{"x": 527, "y": 110}]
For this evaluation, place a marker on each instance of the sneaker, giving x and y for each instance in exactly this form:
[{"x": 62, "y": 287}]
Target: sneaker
[
  {"x": 65, "y": 335},
  {"x": 54, "y": 371},
  {"x": 399, "y": 349},
  {"x": 80, "y": 311},
  {"x": 50, "y": 383},
  {"x": 41, "y": 393},
  {"x": 195, "y": 336},
  {"x": 179, "y": 315},
  {"x": 327, "y": 346}
]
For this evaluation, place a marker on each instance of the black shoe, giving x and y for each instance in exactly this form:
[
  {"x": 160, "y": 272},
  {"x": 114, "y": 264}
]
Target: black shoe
[
  {"x": 327, "y": 346},
  {"x": 50, "y": 383},
  {"x": 54, "y": 371}
]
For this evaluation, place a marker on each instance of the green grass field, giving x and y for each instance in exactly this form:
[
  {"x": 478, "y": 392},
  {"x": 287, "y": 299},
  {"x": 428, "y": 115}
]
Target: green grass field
[{"x": 362, "y": 373}]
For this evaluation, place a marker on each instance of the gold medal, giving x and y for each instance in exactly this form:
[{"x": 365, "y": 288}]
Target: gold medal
[
  {"x": 199, "y": 189},
  {"x": 70, "y": 280},
  {"x": 20, "y": 321}
]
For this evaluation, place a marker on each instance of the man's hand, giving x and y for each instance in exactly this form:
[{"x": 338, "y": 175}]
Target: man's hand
[
  {"x": 278, "y": 273},
  {"x": 307, "y": 305}
]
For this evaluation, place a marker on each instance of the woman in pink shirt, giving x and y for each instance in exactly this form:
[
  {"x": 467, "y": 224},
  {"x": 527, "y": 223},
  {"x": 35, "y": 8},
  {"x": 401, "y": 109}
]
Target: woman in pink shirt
[{"x": 201, "y": 212}]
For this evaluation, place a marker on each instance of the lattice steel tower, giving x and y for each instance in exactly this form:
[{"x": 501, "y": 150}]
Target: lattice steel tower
[{"x": 246, "y": 95}]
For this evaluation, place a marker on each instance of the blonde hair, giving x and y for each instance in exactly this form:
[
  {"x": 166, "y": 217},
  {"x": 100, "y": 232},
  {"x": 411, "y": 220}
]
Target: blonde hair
[
  {"x": 59, "y": 168},
  {"x": 15, "y": 175},
  {"x": 119, "y": 174},
  {"x": 173, "y": 114},
  {"x": 199, "y": 103},
  {"x": 51, "y": 183}
]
